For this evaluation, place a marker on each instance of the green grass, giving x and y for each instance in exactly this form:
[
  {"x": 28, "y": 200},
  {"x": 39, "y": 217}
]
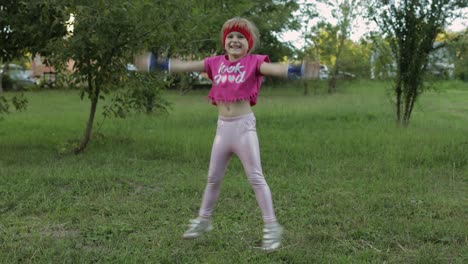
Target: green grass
[{"x": 348, "y": 185}]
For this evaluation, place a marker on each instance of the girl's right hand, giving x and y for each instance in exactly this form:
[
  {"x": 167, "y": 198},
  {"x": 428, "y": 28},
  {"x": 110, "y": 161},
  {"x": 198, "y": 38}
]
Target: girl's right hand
[
  {"x": 141, "y": 62},
  {"x": 311, "y": 69}
]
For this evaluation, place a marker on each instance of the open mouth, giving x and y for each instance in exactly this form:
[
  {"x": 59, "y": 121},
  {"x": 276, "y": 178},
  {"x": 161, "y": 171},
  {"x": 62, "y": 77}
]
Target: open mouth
[{"x": 235, "y": 47}]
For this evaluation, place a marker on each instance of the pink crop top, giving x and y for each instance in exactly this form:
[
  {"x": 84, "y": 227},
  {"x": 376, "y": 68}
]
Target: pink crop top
[{"x": 235, "y": 81}]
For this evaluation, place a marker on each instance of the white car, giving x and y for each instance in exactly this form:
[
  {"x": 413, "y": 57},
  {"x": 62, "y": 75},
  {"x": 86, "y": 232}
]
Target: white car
[
  {"x": 18, "y": 75},
  {"x": 323, "y": 73}
]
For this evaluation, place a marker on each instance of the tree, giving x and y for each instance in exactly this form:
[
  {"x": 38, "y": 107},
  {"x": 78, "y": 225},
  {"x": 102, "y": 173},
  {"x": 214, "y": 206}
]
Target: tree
[
  {"x": 381, "y": 58},
  {"x": 199, "y": 32},
  {"x": 458, "y": 45},
  {"x": 105, "y": 36},
  {"x": 324, "y": 38},
  {"x": 345, "y": 12},
  {"x": 411, "y": 29},
  {"x": 272, "y": 18},
  {"x": 355, "y": 58},
  {"x": 307, "y": 12},
  {"x": 27, "y": 27}
]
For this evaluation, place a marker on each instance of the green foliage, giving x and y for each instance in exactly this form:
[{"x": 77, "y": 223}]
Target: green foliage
[
  {"x": 324, "y": 37},
  {"x": 4, "y": 106},
  {"x": 381, "y": 58},
  {"x": 192, "y": 29},
  {"x": 354, "y": 56},
  {"x": 6, "y": 82},
  {"x": 64, "y": 80},
  {"x": 355, "y": 59},
  {"x": 271, "y": 18},
  {"x": 28, "y": 27},
  {"x": 19, "y": 103},
  {"x": 105, "y": 36},
  {"x": 332, "y": 41},
  {"x": 140, "y": 93}
]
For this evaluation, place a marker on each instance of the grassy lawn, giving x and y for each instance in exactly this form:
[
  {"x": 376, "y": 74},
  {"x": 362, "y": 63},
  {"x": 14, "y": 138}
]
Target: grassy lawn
[{"x": 348, "y": 184}]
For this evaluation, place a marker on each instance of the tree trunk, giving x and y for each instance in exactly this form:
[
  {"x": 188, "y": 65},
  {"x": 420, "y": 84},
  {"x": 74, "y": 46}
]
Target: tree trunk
[
  {"x": 398, "y": 100},
  {"x": 4, "y": 69},
  {"x": 306, "y": 87},
  {"x": 409, "y": 106},
  {"x": 332, "y": 82},
  {"x": 1, "y": 84},
  {"x": 410, "y": 110},
  {"x": 92, "y": 114}
]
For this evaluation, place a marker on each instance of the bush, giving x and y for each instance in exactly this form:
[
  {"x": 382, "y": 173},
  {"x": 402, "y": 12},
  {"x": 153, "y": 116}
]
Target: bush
[{"x": 7, "y": 82}]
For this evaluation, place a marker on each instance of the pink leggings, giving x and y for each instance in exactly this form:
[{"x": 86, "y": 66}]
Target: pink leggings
[{"x": 237, "y": 135}]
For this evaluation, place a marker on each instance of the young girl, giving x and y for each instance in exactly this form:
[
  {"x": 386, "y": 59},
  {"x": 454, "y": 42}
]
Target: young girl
[{"x": 236, "y": 77}]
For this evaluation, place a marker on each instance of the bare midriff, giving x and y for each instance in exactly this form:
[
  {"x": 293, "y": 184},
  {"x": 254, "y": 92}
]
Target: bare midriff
[{"x": 233, "y": 109}]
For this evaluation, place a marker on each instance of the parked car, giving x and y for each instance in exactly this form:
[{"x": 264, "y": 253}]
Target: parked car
[
  {"x": 323, "y": 73},
  {"x": 345, "y": 75},
  {"x": 131, "y": 67},
  {"x": 200, "y": 79},
  {"x": 18, "y": 76}
]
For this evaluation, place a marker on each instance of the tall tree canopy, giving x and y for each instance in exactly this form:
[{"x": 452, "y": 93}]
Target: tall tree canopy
[
  {"x": 197, "y": 31},
  {"x": 27, "y": 27},
  {"x": 105, "y": 36},
  {"x": 345, "y": 12},
  {"x": 329, "y": 41}
]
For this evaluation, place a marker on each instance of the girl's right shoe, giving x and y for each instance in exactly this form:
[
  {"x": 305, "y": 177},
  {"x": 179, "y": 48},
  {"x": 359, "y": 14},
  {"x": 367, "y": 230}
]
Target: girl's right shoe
[{"x": 197, "y": 227}]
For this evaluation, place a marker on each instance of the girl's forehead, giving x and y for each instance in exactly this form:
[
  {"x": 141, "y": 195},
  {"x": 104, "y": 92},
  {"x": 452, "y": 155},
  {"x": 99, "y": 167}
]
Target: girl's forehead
[{"x": 235, "y": 33}]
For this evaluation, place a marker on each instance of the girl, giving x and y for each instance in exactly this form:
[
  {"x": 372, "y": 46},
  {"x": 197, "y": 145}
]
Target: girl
[{"x": 236, "y": 79}]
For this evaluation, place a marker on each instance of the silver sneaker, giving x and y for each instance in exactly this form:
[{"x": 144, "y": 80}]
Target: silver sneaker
[
  {"x": 272, "y": 236},
  {"x": 196, "y": 228}
]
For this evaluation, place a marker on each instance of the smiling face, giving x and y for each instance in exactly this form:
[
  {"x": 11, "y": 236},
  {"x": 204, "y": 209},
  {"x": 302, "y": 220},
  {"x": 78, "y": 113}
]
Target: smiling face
[{"x": 236, "y": 45}]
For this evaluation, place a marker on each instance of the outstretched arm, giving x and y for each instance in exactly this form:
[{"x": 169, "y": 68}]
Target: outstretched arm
[
  {"x": 148, "y": 62},
  {"x": 186, "y": 66},
  {"x": 308, "y": 70},
  {"x": 274, "y": 69}
]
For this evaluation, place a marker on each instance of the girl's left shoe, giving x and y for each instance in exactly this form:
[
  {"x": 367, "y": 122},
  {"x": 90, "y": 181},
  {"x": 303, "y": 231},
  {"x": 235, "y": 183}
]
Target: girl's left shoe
[{"x": 272, "y": 234}]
